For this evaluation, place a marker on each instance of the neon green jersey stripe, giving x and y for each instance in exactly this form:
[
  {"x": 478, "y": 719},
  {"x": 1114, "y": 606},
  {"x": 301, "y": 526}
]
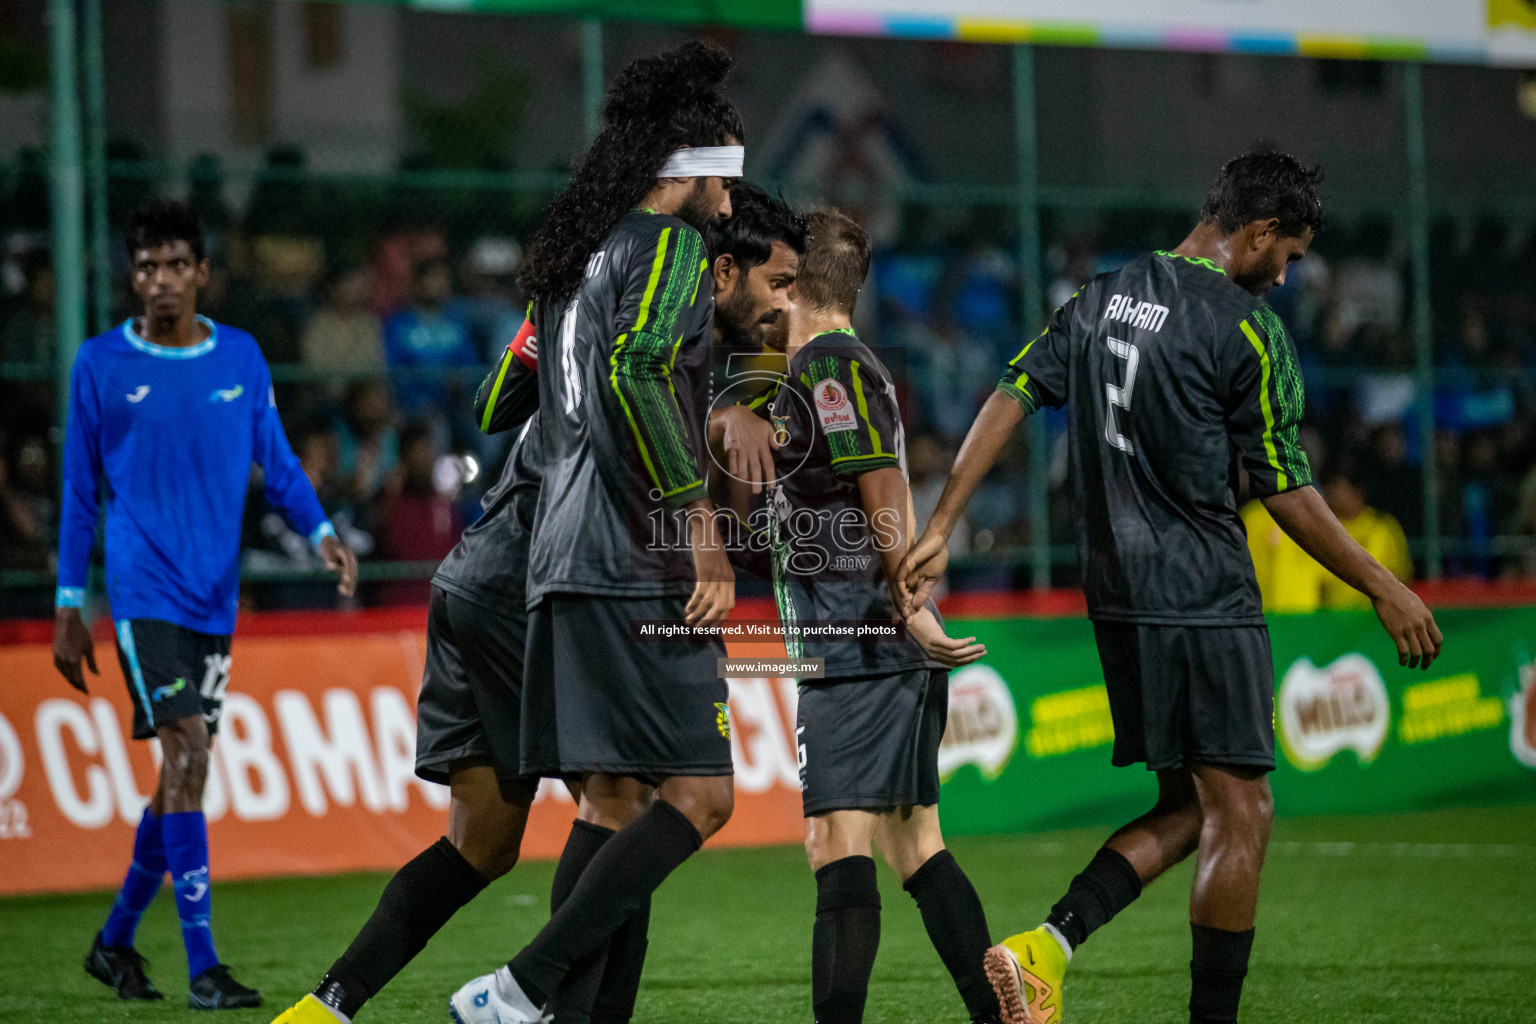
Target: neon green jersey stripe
[
  {"x": 650, "y": 286},
  {"x": 490, "y": 406},
  {"x": 1269, "y": 413},
  {"x": 858, "y": 394},
  {"x": 613, "y": 379},
  {"x": 1031, "y": 344},
  {"x": 767, "y": 395}
]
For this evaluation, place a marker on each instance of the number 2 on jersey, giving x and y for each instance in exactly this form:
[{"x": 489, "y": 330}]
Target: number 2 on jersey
[{"x": 1120, "y": 394}]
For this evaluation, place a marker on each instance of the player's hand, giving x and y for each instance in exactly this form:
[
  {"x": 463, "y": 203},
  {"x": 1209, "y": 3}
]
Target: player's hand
[
  {"x": 1410, "y": 625},
  {"x": 920, "y": 570},
  {"x": 746, "y": 439},
  {"x": 949, "y": 651},
  {"x": 714, "y": 589},
  {"x": 340, "y": 559},
  {"x": 71, "y": 643}
]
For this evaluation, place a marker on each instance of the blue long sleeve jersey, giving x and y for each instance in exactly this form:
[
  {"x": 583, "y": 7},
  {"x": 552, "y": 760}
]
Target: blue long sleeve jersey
[{"x": 166, "y": 436}]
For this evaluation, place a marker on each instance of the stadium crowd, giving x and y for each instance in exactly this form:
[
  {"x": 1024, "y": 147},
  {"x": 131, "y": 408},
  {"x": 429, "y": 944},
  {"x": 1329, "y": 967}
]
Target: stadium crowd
[{"x": 380, "y": 308}]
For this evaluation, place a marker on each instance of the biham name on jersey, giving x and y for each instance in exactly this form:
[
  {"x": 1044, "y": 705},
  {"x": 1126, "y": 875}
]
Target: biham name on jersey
[{"x": 1128, "y": 309}]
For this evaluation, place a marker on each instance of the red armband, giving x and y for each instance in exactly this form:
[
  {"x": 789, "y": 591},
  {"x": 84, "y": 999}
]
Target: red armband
[{"x": 525, "y": 345}]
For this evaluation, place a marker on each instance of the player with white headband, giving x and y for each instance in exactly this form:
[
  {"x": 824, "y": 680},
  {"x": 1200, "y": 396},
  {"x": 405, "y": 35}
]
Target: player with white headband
[
  {"x": 626, "y": 229},
  {"x": 623, "y": 305}
]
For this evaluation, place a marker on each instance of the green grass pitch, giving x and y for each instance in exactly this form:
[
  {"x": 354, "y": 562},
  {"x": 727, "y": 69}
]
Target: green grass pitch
[{"x": 1396, "y": 919}]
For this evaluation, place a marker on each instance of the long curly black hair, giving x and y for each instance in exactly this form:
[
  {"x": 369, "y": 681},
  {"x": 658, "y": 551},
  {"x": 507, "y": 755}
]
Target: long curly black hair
[{"x": 656, "y": 105}]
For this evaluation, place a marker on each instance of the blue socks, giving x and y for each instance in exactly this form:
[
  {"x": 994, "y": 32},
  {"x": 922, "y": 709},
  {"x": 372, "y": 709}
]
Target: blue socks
[
  {"x": 139, "y": 888},
  {"x": 186, "y": 851}
]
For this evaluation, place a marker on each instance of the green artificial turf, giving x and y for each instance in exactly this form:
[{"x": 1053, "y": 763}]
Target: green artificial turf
[{"x": 1395, "y": 919}]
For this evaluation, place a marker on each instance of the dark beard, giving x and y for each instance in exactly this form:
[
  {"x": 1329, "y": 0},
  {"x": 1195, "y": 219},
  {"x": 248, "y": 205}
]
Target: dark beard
[
  {"x": 695, "y": 211},
  {"x": 735, "y": 332}
]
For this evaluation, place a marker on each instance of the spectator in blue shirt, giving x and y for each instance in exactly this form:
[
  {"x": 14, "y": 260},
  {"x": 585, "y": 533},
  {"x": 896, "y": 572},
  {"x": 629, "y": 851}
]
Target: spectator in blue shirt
[{"x": 425, "y": 336}]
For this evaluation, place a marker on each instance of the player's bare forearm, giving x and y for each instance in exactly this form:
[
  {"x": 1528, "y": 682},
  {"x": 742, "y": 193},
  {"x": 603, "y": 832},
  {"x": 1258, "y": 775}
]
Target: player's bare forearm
[
  {"x": 924, "y": 564},
  {"x": 979, "y": 452},
  {"x": 72, "y": 644},
  {"x": 885, "y": 497},
  {"x": 714, "y": 589},
  {"x": 1306, "y": 518}
]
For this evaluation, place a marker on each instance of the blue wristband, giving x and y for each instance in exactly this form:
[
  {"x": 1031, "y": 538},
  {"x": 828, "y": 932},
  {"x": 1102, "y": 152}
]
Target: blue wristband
[
  {"x": 322, "y": 531},
  {"x": 69, "y": 597}
]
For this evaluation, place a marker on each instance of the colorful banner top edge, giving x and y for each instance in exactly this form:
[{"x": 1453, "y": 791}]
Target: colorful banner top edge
[{"x": 975, "y": 30}]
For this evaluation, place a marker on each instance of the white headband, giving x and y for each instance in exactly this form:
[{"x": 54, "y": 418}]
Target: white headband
[{"x": 704, "y": 162}]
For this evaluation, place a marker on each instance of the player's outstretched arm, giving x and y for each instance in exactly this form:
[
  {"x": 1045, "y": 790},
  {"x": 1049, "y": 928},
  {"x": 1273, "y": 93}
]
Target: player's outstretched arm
[
  {"x": 1304, "y": 515},
  {"x": 925, "y": 563},
  {"x": 888, "y": 507}
]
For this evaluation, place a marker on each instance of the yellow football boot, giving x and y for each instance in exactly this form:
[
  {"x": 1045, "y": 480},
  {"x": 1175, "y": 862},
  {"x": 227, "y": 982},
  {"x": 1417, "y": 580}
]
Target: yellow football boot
[
  {"x": 1026, "y": 972},
  {"x": 308, "y": 1010}
]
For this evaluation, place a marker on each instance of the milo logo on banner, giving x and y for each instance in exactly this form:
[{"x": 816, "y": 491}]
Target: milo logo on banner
[
  {"x": 983, "y": 726},
  {"x": 1323, "y": 711}
]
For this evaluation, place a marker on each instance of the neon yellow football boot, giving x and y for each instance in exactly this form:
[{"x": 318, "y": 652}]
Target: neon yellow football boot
[
  {"x": 1026, "y": 972},
  {"x": 308, "y": 1010}
]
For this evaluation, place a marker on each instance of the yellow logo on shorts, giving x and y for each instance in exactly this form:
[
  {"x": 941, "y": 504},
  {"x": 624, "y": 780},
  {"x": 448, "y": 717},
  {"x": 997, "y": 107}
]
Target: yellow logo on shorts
[{"x": 723, "y": 719}]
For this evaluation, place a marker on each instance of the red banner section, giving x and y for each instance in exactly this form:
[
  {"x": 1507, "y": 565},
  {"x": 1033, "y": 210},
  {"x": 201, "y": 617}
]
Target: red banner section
[{"x": 312, "y": 771}]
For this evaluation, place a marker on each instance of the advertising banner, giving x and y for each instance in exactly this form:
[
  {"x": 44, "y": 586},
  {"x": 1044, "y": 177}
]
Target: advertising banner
[
  {"x": 1029, "y": 733},
  {"x": 312, "y": 769}
]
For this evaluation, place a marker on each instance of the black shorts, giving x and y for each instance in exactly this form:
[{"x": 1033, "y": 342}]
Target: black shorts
[
  {"x": 470, "y": 708},
  {"x": 596, "y": 701},
  {"x": 1189, "y": 694},
  {"x": 871, "y": 744},
  {"x": 172, "y": 673}
]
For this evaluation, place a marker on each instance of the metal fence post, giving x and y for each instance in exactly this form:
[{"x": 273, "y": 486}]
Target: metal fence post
[
  {"x": 1423, "y": 324},
  {"x": 66, "y": 201},
  {"x": 1032, "y": 300},
  {"x": 96, "y": 165},
  {"x": 592, "y": 75}
]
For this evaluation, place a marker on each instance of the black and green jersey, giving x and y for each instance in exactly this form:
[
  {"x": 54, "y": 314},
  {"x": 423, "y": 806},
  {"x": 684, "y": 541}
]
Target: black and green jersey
[
  {"x": 489, "y": 565},
  {"x": 1176, "y": 377},
  {"x": 624, "y": 388},
  {"x": 838, "y": 407}
]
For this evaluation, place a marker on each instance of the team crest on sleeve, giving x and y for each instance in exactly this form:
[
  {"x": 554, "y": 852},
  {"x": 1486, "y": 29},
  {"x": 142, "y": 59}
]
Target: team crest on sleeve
[
  {"x": 833, "y": 407},
  {"x": 723, "y": 719}
]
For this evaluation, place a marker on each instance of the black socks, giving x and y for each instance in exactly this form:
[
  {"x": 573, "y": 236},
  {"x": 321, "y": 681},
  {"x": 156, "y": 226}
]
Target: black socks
[
  {"x": 1216, "y": 974},
  {"x": 601, "y": 988},
  {"x": 418, "y": 901},
  {"x": 1106, "y": 886},
  {"x": 845, "y": 939},
  {"x": 616, "y": 885},
  {"x": 621, "y": 974},
  {"x": 957, "y": 926}
]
